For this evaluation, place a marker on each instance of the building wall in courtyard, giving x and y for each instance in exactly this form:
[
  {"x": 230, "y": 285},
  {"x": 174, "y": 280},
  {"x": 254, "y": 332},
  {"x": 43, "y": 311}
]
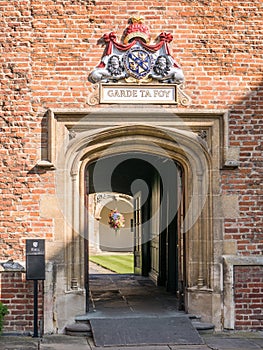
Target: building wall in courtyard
[
  {"x": 248, "y": 296},
  {"x": 49, "y": 47},
  {"x": 18, "y": 295}
]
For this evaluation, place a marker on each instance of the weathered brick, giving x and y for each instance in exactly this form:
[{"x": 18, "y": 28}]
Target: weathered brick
[
  {"x": 49, "y": 47},
  {"x": 248, "y": 299},
  {"x": 19, "y": 301}
]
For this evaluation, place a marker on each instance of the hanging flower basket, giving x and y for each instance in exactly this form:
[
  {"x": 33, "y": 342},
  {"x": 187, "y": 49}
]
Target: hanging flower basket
[{"x": 116, "y": 220}]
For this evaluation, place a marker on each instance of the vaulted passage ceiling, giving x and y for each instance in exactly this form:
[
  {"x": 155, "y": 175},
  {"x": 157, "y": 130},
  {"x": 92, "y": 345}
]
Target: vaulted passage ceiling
[{"x": 127, "y": 172}]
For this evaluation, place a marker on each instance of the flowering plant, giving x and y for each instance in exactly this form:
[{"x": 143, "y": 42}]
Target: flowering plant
[{"x": 116, "y": 220}]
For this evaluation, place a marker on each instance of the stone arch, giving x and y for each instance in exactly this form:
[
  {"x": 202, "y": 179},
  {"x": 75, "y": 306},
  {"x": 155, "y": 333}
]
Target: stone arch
[
  {"x": 184, "y": 147},
  {"x": 108, "y": 199},
  {"x": 78, "y": 137},
  {"x": 98, "y": 228}
]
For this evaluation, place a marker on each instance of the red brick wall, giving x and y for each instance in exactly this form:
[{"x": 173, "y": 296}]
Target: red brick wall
[
  {"x": 18, "y": 295},
  {"x": 249, "y": 297},
  {"x": 48, "y": 48}
]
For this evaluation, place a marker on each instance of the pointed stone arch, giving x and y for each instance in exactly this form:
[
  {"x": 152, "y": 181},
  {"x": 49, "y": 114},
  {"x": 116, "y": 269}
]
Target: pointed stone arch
[
  {"x": 184, "y": 147},
  {"x": 79, "y": 138}
]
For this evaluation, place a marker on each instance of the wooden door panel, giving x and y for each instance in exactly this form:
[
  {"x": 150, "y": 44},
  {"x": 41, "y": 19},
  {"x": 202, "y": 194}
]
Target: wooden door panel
[{"x": 137, "y": 234}]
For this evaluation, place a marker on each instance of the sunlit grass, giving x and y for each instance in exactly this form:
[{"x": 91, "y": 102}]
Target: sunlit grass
[{"x": 121, "y": 263}]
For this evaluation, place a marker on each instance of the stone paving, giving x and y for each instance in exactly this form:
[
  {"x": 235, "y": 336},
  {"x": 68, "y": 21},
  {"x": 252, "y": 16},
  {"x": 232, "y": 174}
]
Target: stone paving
[
  {"x": 212, "y": 341},
  {"x": 215, "y": 341}
]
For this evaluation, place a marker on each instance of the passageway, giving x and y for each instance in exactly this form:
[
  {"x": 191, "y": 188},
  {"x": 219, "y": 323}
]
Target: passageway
[
  {"x": 131, "y": 310},
  {"x": 154, "y": 182},
  {"x": 129, "y": 295}
]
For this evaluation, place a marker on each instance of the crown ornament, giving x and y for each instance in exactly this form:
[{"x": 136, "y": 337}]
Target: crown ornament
[{"x": 136, "y": 29}]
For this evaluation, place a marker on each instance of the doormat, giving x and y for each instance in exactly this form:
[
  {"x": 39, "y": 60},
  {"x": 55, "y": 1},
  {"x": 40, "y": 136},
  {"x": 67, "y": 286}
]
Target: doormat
[{"x": 144, "y": 331}]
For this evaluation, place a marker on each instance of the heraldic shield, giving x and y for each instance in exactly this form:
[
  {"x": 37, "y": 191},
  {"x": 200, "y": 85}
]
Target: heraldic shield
[{"x": 138, "y": 62}]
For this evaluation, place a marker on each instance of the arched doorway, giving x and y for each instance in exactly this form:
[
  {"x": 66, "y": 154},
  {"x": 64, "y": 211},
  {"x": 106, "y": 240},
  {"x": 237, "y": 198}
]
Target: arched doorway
[
  {"x": 180, "y": 147},
  {"x": 155, "y": 184},
  {"x": 192, "y": 156},
  {"x": 80, "y": 138},
  {"x": 102, "y": 237}
]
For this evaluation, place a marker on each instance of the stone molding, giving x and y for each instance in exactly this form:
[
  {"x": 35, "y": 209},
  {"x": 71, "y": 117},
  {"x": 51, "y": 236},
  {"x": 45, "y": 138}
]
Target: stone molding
[{"x": 199, "y": 120}]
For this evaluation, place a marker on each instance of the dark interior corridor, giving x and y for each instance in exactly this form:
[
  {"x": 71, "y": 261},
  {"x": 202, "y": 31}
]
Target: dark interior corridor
[{"x": 155, "y": 178}]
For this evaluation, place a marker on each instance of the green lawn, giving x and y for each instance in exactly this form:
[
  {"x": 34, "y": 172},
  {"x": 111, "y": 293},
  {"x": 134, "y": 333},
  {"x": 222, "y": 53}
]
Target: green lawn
[{"x": 121, "y": 263}]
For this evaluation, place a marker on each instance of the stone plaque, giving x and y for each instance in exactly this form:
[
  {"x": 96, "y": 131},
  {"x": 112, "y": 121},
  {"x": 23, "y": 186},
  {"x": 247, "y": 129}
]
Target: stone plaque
[{"x": 142, "y": 93}]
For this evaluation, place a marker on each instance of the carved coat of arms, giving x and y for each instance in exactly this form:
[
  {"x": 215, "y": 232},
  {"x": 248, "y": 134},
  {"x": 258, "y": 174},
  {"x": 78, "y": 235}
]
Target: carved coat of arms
[{"x": 135, "y": 59}]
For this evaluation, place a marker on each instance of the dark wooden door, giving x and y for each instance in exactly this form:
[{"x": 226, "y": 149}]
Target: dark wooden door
[{"x": 137, "y": 234}]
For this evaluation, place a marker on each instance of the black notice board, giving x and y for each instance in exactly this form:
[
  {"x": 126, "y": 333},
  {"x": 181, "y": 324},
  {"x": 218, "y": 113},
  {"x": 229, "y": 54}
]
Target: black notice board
[{"x": 35, "y": 259}]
